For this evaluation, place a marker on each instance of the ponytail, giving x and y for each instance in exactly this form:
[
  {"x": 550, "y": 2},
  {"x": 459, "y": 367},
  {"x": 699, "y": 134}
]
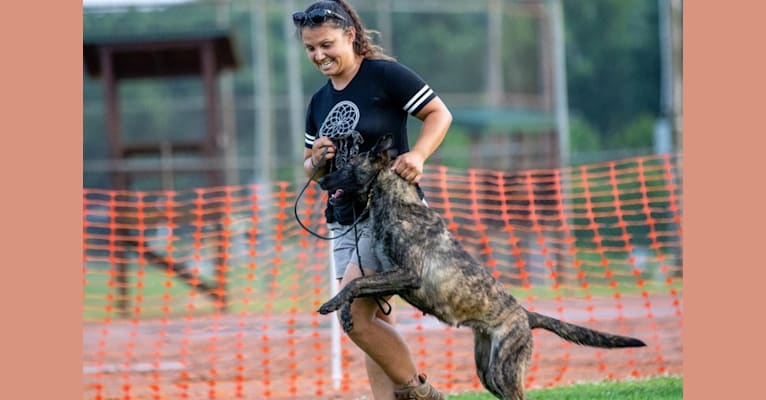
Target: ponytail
[{"x": 363, "y": 43}]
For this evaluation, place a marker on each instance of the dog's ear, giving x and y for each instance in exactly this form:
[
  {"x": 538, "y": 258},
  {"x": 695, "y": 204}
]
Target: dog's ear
[{"x": 384, "y": 144}]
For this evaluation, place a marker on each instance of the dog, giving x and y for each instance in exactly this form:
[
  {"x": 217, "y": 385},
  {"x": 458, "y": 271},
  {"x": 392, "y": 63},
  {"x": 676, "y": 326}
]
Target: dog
[{"x": 426, "y": 266}]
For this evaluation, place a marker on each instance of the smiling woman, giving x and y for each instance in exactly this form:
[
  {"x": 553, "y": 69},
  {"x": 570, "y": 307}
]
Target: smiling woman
[{"x": 368, "y": 94}]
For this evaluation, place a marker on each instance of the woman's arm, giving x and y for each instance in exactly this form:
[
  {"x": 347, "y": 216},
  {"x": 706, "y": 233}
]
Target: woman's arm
[{"x": 436, "y": 121}]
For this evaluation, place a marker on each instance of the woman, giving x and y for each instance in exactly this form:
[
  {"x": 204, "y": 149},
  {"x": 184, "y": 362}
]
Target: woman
[{"x": 367, "y": 95}]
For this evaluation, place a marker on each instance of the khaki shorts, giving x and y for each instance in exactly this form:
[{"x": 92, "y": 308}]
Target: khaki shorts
[{"x": 344, "y": 249}]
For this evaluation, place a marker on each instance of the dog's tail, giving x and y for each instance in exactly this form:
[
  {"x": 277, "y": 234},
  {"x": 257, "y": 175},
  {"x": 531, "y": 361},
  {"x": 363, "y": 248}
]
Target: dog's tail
[{"x": 579, "y": 334}]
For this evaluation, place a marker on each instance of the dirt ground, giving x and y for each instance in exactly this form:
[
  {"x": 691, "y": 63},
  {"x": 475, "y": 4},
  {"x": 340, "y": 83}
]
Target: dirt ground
[{"x": 288, "y": 356}]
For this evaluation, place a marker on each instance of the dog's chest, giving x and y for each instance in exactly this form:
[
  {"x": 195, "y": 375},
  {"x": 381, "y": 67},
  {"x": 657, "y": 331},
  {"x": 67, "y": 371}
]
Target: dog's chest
[{"x": 394, "y": 242}]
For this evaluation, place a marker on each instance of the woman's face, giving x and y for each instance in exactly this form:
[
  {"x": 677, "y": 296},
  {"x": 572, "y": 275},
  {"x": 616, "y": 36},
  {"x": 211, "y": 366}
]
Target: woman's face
[{"x": 331, "y": 49}]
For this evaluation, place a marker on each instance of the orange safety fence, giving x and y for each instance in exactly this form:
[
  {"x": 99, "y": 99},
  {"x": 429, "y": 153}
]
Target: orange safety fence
[{"x": 211, "y": 293}]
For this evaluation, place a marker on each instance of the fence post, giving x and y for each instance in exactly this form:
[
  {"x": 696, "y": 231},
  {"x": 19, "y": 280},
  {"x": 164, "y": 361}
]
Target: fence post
[{"x": 335, "y": 356}]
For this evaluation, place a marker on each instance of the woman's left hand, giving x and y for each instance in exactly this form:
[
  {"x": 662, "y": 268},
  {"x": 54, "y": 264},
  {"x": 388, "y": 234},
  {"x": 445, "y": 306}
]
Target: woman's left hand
[{"x": 409, "y": 166}]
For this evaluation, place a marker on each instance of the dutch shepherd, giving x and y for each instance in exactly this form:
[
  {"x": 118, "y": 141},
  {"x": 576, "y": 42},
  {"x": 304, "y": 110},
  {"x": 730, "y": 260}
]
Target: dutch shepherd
[{"x": 426, "y": 266}]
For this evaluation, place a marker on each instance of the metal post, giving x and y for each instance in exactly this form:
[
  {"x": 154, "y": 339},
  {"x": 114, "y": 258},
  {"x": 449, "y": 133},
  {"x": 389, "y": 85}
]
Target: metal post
[
  {"x": 663, "y": 128},
  {"x": 212, "y": 142},
  {"x": 494, "y": 50},
  {"x": 676, "y": 39},
  {"x": 561, "y": 107},
  {"x": 666, "y": 58},
  {"x": 113, "y": 126},
  {"x": 119, "y": 180},
  {"x": 335, "y": 348},
  {"x": 262, "y": 102},
  {"x": 228, "y": 113},
  {"x": 385, "y": 26},
  {"x": 166, "y": 164},
  {"x": 560, "y": 81},
  {"x": 294, "y": 95}
]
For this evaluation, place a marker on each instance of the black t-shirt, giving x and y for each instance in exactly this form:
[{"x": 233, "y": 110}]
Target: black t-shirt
[{"x": 376, "y": 102}]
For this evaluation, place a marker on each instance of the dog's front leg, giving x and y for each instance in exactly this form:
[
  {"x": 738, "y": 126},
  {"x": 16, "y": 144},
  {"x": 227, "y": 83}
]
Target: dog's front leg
[
  {"x": 345, "y": 317},
  {"x": 378, "y": 285}
]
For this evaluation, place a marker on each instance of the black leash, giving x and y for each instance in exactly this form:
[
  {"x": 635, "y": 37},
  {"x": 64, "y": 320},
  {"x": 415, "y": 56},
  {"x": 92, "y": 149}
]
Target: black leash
[
  {"x": 359, "y": 263},
  {"x": 297, "y": 200},
  {"x": 353, "y": 226}
]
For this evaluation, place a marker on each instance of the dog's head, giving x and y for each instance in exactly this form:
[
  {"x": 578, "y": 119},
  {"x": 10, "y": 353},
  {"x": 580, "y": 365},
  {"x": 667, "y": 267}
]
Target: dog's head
[{"x": 355, "y": 179}]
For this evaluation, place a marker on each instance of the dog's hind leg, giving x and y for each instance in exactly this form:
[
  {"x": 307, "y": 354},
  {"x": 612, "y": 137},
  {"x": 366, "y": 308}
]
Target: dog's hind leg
[
  {"x": 482, "y": 351},
  {"x": 502, "y": 358},
  {"x": 512, "y": 363}
]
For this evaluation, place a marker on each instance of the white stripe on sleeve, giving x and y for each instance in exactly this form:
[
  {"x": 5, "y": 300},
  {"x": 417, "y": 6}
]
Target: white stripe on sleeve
[
  {"x": 407, "y": 107},
  {"x": 422, "y": 99},
  {"x": 309, "y": 139}
]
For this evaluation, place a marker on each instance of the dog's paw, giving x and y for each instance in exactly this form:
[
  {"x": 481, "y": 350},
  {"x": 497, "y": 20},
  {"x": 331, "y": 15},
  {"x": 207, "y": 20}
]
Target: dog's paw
[
  {"x": 335, "y": 302},
  {"x": 331, "y": 305},
  {"x": 345, "y": 318},
  {"x": 326, "y": 308}
]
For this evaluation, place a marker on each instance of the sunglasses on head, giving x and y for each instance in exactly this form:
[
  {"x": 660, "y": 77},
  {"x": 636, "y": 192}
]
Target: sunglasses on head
[{"x": 314, "y": 17}]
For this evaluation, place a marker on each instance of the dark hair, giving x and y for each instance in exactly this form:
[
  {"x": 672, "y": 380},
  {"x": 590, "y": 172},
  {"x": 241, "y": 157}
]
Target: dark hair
[{"x": 363, "y": 43}]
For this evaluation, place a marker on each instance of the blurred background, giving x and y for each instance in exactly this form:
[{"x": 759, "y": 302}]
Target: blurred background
[
  {"x": 180, "y": 93},
  {"x": 198, "y": 282}
]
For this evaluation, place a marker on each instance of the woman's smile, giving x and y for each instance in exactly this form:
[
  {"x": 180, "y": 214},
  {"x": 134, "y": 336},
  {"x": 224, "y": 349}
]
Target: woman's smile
[{"x": 326, "y": 65}]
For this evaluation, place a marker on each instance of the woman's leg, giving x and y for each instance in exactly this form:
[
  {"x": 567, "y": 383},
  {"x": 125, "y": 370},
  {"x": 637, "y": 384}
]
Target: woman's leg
[
  {"x": 381, "y": 384},
  {"x": 387, "y": 357},
  {"x": 389, "y": 364}
]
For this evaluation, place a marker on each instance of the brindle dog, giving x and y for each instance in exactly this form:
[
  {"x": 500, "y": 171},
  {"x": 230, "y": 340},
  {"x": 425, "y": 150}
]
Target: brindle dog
[{"x": 425, "y": 265}]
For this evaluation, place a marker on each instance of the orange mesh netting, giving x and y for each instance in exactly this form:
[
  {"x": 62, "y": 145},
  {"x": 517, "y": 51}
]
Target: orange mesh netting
[{"x": 211, "y": 293}]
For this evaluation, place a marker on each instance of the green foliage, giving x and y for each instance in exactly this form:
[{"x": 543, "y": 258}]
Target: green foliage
[
  {"x": 453, "y": 152},
  {"x": 582, "y": 135},
  {"x": 665, "y": 388},
  {"x": 520, "y": 38},
  {"x": 451, "y": 67},
  {"x": 192, "y": 16},
  {"x": 635, "y": 134},
  {"x": 611, "y": 50},
  {"x": 612, "y": 60}
]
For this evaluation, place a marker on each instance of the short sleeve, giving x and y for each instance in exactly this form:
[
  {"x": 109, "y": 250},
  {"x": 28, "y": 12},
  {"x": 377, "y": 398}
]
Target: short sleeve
[
  {"x": 311, "y": 129},
  {"x": 407, "y": 88}
]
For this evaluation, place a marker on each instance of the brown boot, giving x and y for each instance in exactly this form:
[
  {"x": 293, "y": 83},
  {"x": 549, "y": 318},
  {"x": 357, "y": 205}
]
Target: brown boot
[{"x": 420, "y": 390}]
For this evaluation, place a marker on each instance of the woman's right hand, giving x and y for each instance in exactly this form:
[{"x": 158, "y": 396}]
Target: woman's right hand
[{"x": 322, "y": 144}]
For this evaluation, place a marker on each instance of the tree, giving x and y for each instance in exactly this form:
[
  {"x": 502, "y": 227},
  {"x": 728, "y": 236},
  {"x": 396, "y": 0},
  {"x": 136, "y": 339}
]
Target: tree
[{"x": 612, "y": 61}]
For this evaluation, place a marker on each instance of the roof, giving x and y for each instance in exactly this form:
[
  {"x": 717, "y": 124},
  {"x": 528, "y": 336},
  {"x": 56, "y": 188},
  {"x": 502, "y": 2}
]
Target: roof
[{"x": 159, "y": 53}]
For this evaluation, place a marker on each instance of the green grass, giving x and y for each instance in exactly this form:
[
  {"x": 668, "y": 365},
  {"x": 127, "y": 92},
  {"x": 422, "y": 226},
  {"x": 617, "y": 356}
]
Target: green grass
[
  {"x": 155, "y": 284},
  {"x": 547, "y": 292},
  {"x": 667, "y": 388}
]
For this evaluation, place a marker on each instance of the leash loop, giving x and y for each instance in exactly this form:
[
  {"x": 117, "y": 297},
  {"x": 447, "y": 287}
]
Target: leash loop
[
  {"x": 303, "y": 191},
  {"x": 352, "y": 227}
]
